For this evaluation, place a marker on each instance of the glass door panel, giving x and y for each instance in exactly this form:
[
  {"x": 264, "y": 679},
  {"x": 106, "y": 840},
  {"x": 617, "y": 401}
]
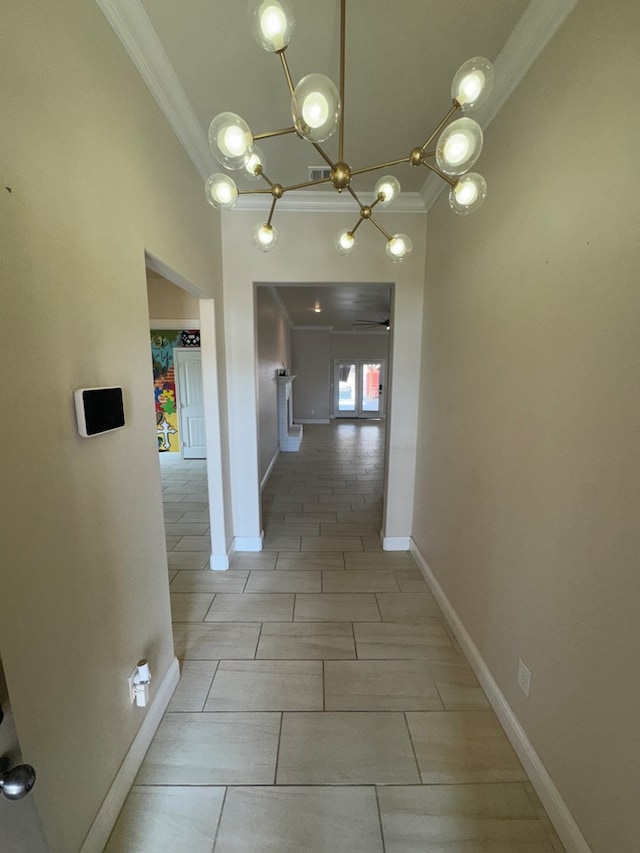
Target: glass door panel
[
  {"x": 347, "y": 388},
  {"x": 371, "y": 387}
]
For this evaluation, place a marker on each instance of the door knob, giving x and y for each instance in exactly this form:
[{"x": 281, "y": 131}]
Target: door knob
[{"x": 15, "y": 783}]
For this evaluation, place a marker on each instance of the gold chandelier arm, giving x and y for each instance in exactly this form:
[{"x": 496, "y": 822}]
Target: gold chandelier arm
[
  {"x": 353, "y": 193},
  {"x": 264, "y": 177},
  {"x": 379, "y": 227},
  {"x": 306, "y": 184},
  {"x": 273, "y": 207},
  {"x": 285, "y": 66},
  {"x": 357, "y": 225},
  {"x": 324, "y": 156},
  {"x": 255, "y": 192},
  {"x": 431, "y": 153},
  {"x": 379, "y": 166},
  {"x": 451, "y": 181},
  {"x": 454, "y": 108},
  {"x": 271, "y": 133},
  {"x": 343, "y": 25}
]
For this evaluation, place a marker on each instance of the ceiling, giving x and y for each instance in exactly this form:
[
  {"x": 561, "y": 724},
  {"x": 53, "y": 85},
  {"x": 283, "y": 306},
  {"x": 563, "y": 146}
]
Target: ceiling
[
  {"x": 400, "y": 59},
  {"x": 341, "y": 305}
]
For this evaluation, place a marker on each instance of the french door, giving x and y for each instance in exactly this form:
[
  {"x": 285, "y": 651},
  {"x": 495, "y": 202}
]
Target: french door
[{"x": 358, "y": 389}]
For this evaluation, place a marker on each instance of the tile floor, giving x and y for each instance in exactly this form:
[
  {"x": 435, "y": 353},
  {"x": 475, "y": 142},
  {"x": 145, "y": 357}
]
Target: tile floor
[{"x": 324, "y": 705}]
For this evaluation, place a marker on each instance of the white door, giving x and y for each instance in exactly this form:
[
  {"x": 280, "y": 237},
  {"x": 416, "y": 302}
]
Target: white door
[
  {"x": 358, "y": 389},
  {"x": 20, "y": 828},
  {"x": 188, "y": 367}
]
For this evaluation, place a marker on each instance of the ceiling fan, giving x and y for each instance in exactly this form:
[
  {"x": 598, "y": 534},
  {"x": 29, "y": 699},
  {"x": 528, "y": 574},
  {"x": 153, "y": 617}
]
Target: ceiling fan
[{"x": 372, "y": 324}]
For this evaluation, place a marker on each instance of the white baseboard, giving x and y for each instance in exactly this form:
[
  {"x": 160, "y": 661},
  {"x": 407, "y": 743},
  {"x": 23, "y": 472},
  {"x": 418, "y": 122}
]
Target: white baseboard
[
  {"x": 222, "y": 562},
  {"x": 312, "y": 420},
  {"x": 219, "y": 562},
  {"x": 248, "y": 543},
  {"x": 269, "y": 469},
  {"x": 396, "y": 543},
  {"x": 98, "y": 835},
  {"x": 556, "y": 808}
]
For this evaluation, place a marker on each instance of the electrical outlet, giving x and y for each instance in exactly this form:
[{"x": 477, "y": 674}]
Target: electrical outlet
[{"x": 524, "y": 678}]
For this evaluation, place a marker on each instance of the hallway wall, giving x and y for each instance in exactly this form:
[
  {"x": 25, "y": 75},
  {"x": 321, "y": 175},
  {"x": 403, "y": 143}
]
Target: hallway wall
[
  {"x": 527, "y": 490},
  {"x": 97, "y": 177},
  {"x": 273, "y": 350}
]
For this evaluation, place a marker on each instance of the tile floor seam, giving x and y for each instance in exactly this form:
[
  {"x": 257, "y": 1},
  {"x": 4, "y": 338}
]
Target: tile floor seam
[
  {"x": 213, "y": 678},
  {"x": 384, "y": 847},
  {"x": 204, "y": 620},
  {"x": 378, "y": 606},
  {"x": 275, "y": 770},
  {"x": 217, "y": 832},
  {"x": 258, "y": 641},
  {"x": 355, "y": 642},
  {"x": 413, "y": 748},
  {"x": 435, "y": 684}
]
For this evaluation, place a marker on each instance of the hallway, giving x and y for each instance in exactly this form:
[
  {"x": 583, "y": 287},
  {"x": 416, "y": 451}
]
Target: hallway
[{"x": 324, "y": 705}]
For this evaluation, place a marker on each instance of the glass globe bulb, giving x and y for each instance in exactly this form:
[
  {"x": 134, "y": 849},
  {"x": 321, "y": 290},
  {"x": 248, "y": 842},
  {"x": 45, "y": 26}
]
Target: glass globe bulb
[
  {"x": 221, "y": 191},
  {"x": 468, "y": 194},
  {"x": 473, "y": 83},
  {"x": 315, "y": 107},
  {"x": 264, "y": 237},
  {"x": 345, "y": 241},
  {"x": 459, "y": 146},
  {"x": 398, "y": 248},
  {"x": 252, "y": 160},
  {"x": 230, "y": 140},
  {"x": 389, "y": 187},
  {"x": 271, "y": 23}
]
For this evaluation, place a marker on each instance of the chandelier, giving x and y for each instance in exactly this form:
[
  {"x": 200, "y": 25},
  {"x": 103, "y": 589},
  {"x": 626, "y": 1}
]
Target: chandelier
[{"x": 317, "y": 109}]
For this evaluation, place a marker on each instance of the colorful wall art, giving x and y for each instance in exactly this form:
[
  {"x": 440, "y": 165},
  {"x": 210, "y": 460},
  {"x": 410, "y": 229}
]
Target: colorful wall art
[{"x": 163, "y": 342}]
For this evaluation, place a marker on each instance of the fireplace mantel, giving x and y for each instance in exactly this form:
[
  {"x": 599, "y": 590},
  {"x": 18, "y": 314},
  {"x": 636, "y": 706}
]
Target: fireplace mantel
[{"x": 289, "y": 434}]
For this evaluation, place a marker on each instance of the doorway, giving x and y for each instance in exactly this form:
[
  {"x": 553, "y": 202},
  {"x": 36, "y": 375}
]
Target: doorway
[
  {"x": 177, "y": 304},
  {"x": 358, "y": 388}
]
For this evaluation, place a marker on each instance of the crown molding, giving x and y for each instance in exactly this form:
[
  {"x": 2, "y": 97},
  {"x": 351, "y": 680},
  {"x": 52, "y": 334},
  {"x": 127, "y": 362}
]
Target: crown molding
[
  {"x": 130, "y": 23},
  {"x": 537, "y": 26},
  {"x": 327, "y": 202}
]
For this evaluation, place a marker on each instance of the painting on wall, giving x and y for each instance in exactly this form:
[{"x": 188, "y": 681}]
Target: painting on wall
[{"x": 163, "y": 342}]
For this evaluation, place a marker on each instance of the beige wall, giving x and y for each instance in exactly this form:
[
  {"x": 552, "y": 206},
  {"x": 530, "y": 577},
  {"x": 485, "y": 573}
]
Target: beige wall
[
  {"x": 169, "y": 302},
  {"x": 273, "y": 350},
  {"x": 97, "y": 178},
  {"x": 528, "y": 493},
  {"x": 311, "y": 354}
]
